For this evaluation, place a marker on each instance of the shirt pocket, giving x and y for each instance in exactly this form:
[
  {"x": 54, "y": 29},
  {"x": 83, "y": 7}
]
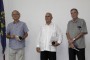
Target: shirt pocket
[{"x": 79, "y": 27}]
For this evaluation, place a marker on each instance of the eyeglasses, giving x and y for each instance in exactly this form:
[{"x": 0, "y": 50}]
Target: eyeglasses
[
  {"x": 47, "y": 16},
  {"x": 15, "y": 14}
]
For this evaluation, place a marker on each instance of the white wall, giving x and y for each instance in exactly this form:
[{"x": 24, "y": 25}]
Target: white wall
[{"x": 33, "y": 12}]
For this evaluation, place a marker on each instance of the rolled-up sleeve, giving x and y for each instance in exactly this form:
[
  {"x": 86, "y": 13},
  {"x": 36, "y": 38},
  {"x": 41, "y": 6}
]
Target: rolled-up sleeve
[
  {"x": 25, "y": 28},
  {"x": 84, "y": 27},
  {"x": 67, "y": 27}
]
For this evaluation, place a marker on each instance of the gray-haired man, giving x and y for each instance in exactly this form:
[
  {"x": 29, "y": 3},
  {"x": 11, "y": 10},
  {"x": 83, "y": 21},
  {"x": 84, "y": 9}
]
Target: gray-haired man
[
  {"x": 76, "y": 30},
  {"x": 17, "y": 32},
  {"x": 49, "y": 38}
]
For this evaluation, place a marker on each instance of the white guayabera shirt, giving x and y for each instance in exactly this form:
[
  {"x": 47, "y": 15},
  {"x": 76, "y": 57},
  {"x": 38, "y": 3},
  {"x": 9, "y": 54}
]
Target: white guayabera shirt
[{"x": 45, "y": 37}]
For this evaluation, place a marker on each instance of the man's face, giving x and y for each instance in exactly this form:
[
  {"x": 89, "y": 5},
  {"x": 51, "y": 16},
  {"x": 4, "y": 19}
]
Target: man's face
[
  {"x": 15, "y": 15},
  {"x": 74, "y": 14},
  {"x": 48, "y": 18}
]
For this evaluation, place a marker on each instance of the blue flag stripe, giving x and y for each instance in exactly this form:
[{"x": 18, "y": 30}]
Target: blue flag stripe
[{"x": 2, "y": 26}]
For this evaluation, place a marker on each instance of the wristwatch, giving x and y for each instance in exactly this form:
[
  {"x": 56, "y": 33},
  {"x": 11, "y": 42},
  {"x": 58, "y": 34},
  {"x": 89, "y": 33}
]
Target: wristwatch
[{"x": 74, "y": 39}]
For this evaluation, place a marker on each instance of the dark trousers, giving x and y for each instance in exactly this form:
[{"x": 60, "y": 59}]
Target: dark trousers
[
  {"x": 80, "y": 54},
  {"x": 45, "y": 55}
]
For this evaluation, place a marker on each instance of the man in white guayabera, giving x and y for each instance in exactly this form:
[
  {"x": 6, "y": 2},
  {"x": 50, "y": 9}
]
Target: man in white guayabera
[{"x": 49, "y": 38}]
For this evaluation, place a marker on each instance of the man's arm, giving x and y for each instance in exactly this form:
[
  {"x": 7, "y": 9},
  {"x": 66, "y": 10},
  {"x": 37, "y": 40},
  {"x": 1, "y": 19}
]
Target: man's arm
[
  {"x": 68, "y": 36},
  {"x": 38, "y": 42},
  {"x": 83, "y": 31},
  {"x": 10, "y": 36},
  {"x": 25, "y": 31},
  {"x": 25, "y": 35},
  {"x": 59, "y": 36},
  {"x": 79, "y": 35},
  {"x": 70, "y": 40}
]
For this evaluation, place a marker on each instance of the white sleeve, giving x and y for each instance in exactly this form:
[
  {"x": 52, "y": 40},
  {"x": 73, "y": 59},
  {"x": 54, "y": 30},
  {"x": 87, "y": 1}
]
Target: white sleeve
[
  {"x": 39, "y": 39},
  {"x": 59, "y": 35}
]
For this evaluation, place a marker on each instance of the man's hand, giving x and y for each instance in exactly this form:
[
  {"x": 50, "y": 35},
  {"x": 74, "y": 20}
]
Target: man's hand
[
  {"x": 70, "y": 41},
  {"x": 56, "y": 44},
  {"x": 72, "y": 46},
  {"x": 12, "y": 36},
  {"x": 38, "y": 49}
]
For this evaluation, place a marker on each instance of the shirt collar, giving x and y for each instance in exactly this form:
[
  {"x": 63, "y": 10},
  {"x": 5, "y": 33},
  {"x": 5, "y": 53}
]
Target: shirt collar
[
  {"x": 75, "y": 20},
  {"x": 16, "y": 22},
  {"x": 49, "y": 24}
]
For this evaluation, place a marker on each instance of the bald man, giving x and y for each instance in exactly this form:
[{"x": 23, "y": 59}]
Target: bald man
[
  {"x": 49, "y": 38},
  {"x": 17, "y": 32}
]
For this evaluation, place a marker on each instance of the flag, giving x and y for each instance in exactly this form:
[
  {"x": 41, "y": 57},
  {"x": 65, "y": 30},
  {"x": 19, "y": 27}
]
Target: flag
[{"x": 2, "y": 28}]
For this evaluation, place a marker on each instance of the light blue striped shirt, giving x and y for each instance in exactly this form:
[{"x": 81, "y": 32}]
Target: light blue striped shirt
[{"x": 17, "y": 29}]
